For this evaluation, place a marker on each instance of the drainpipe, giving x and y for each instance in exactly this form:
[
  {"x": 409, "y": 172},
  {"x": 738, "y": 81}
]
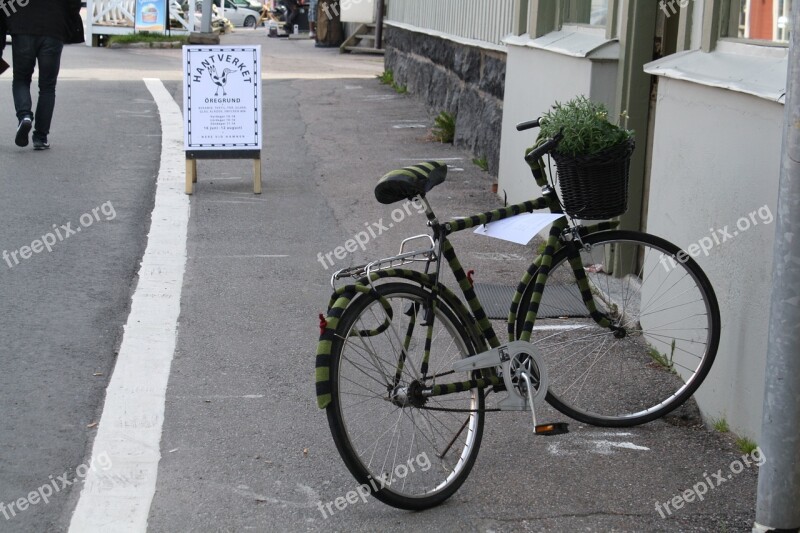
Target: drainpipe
[
  {"x": 379, "y": 25},
  {"x": 777, "y": 506}
]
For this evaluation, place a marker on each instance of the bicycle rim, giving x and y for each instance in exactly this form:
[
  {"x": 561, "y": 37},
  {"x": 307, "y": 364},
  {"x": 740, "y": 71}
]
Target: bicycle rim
[
  {"x": 407, "y": 454},
  {"x": 669, "y": 320}
]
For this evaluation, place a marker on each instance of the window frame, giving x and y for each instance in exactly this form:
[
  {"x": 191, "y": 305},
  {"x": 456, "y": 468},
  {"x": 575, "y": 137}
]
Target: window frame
[
  {"x": 546, "y": 16},
  {"x": 717, "y": 16}
]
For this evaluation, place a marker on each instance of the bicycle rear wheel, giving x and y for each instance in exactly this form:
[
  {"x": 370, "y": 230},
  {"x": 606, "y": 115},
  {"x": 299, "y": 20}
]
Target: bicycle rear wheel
[
  {"x": 669, "y": 319},
  {"x": 404, "y": 449}
]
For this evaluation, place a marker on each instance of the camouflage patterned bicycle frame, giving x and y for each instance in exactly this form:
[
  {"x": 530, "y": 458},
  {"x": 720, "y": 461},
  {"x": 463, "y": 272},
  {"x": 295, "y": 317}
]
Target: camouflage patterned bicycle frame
[{"x": 481, "y": 330}]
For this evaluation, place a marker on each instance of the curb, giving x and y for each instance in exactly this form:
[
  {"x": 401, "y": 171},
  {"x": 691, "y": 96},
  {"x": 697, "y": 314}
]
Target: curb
[{"x": 169, "y": 44}]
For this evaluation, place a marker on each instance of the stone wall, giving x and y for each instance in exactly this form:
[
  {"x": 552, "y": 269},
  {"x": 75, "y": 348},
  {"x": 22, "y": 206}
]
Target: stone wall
[{"x": 464, "y": 80}]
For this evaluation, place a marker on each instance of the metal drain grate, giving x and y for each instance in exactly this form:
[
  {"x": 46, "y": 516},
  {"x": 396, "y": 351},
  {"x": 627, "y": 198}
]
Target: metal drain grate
[{"x": 557, "y": 301}]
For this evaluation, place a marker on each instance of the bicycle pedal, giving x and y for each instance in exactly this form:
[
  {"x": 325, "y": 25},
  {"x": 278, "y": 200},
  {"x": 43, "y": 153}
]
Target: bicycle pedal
[{"x": 548, "y": 430}]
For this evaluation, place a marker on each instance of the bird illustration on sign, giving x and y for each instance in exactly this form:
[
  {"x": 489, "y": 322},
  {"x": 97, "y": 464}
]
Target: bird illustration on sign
[{"x": 220, "y": 80}]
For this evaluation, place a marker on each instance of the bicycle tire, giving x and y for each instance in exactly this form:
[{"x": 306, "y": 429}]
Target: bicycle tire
[
  {"x": 628, "y": 381},
  {"x": 350, "y": 419}
]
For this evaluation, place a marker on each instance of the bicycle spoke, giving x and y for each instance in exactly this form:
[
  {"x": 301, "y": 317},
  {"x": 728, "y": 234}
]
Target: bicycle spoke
[
  {"x": 378, "y": 414},
  {"x": 614, "y": 376}
]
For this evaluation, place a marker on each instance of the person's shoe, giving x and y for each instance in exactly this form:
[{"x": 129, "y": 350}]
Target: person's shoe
[
  {"x": 40, "y": 142},
  {"x": 312, "y": 35},
  {"x": 23, "y": 129}
]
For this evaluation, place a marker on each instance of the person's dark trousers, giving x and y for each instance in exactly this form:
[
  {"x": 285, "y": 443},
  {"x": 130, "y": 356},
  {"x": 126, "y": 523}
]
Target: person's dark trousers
[
  {"x": 30, "y": 50},
  {"x": 292, "y": 12}
]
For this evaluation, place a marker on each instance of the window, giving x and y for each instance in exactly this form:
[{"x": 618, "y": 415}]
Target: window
[
  {"x": 757, "y": 20},
  {"x": 594, "y": 12}
]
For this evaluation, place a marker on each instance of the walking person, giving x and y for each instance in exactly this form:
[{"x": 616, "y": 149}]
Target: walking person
[
  {"x": 292, "y": 12},
  {"x": 312, "y": 19},
  {"x": 38, "y": 32}
]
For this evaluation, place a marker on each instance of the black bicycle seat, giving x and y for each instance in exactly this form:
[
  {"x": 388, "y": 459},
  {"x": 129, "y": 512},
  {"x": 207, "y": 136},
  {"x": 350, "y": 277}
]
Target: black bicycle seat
[{"x": 408, "y": 182}]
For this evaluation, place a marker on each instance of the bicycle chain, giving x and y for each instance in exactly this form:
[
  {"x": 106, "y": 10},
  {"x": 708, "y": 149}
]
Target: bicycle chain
[
  {"x": 493, "y": 410},
  {"x": 459, "y": 410}
]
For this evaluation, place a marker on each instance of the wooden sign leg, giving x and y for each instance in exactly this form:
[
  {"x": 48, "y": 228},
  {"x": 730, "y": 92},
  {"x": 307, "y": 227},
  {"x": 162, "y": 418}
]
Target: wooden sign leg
[
  {"x": 191, "y": 175},
  {"x": 257, "y": 176}
]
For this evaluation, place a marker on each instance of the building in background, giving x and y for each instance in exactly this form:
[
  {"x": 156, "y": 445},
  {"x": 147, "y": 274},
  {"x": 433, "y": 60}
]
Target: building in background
[{"x": 703, "y": 82}]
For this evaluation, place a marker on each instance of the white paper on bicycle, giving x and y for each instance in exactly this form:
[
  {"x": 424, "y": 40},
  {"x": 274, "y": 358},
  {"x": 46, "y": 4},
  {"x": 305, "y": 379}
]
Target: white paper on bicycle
[{"x": 519, "y": 229}]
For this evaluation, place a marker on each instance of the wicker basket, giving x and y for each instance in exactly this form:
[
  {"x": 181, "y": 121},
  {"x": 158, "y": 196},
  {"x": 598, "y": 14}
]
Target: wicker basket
[{"x": 595, "y": 187}]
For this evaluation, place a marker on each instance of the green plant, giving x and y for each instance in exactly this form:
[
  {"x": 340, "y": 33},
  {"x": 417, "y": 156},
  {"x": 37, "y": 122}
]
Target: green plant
[
  {"x": 444, "y": 128},
  {"x": 481, "y": 163},
  {"x": 386, "y": 78},
  {"x": 746, "y": 445},
  {"x": 663, "y": 360},
  {"x": 146, "y": 37},
  {"x": 585, "y": 127},
  {"x": 721, "y": 425}
]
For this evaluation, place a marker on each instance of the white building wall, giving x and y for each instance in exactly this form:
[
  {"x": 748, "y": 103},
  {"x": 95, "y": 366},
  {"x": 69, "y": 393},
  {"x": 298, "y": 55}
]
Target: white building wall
[
  {"x": 716, "y": 158},
  {"x": 535, "y": 79}
]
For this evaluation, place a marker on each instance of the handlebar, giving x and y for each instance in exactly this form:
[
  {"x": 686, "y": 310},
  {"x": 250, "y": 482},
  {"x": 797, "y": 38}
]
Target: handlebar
[
  {"x": 522, "y": 126},
  {"x": 537, "y": 153}
]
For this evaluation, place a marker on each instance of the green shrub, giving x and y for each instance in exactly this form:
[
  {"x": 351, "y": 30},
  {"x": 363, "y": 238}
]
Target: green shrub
[
  {"x": 147, "y": 37},
  {"x": 481, "y": 163},
  {"x": 386, "y": 78},
  {"x": 585, "y": 127},
  {"x": 444, "y": 128},
  {"x": 746, "y": 445}
]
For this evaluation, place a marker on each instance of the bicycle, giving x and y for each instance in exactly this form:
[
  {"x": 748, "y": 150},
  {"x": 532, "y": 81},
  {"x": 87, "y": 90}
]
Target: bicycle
[{"x": 404, "y": 366}]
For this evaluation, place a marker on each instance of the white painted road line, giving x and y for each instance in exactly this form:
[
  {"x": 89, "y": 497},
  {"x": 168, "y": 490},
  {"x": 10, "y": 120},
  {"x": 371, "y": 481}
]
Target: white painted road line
[
  {"x": 239, "y": 256},
  {"x": 118, "y": 499},
  {"x": 433, "y": 159},
  {"x": 582, "y": 445}
]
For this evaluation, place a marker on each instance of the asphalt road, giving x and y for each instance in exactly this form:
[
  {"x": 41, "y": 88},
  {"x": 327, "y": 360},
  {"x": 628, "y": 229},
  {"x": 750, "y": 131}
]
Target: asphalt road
[
  {"x": 63, "y": 310},
  {"x": 244, "y": 447}
]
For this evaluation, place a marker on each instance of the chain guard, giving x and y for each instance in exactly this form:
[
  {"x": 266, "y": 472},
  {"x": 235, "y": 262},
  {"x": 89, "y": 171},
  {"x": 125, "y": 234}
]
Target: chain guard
[{"x": 512, "y": 359}]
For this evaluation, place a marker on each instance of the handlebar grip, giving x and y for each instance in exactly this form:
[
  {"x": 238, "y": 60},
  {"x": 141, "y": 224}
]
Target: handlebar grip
[
  {"x": 522, "y": 126},
  {"x": 537, "y": 153}
]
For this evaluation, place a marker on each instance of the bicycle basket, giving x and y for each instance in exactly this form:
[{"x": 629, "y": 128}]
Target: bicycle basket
[{"x": 595, "y": 187}]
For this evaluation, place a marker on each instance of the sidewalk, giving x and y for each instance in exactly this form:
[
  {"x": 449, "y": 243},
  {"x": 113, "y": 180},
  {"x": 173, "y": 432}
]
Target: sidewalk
[{"x": 244, "y": 447}]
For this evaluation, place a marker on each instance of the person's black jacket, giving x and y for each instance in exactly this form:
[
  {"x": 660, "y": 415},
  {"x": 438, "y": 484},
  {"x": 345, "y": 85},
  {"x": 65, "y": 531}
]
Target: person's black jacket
[
  {"x": 60, "y": 19},
  {"x": 3, "y": 32}
]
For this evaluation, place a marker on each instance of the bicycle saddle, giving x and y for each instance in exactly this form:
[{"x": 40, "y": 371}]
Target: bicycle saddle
[{"x": 408, "y": 182}]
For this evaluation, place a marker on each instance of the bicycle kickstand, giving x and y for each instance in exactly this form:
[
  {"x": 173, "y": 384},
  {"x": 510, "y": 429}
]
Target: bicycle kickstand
[{"x": 549, "y": 429}]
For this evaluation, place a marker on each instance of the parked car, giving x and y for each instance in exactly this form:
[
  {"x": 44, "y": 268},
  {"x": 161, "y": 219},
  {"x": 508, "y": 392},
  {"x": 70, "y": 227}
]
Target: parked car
[
  {"x": 249, "y": 4},
  {"x": 240, "y": 15}
]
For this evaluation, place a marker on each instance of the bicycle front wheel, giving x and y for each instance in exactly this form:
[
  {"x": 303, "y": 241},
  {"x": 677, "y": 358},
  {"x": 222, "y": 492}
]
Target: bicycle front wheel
[
  {"x": 665, "y": 336},
  {"x": 409, "y": 451}
]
